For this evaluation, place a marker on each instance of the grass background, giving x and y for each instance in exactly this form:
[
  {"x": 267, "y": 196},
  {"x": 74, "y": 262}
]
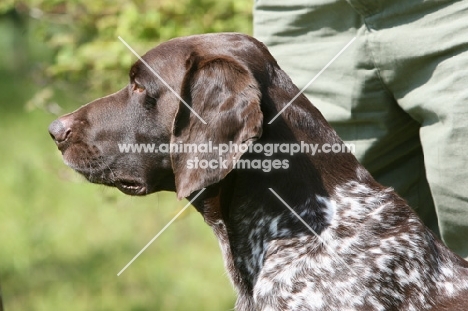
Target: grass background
[{"x": 63, "y": 240}]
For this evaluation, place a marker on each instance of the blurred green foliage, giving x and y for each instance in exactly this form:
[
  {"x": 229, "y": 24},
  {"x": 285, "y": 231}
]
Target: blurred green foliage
[
  {"x": 62, "y": 239},
  {"x": 83, "y": 34}
]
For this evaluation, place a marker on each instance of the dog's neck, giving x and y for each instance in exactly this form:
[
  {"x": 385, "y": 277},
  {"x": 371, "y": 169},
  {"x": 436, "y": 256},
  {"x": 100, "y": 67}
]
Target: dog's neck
[{"x": 211, "y": 207}]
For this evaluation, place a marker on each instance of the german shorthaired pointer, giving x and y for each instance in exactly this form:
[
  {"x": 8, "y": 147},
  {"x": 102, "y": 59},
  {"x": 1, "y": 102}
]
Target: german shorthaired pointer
[{"x": 363, "y": 248}]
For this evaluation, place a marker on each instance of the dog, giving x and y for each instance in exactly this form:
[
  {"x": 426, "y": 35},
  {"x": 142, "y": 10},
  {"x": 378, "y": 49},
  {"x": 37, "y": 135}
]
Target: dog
[{"x": 318, "y": 233}]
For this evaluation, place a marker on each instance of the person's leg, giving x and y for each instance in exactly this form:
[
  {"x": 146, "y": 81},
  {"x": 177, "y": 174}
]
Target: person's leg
[
  {"x": 421, "y": 52},
  {"x": 304, "y": 37}
]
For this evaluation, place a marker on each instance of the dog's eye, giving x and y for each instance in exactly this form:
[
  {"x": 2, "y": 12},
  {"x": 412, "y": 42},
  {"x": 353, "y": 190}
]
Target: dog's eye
[{"x": 138, "y": 87}]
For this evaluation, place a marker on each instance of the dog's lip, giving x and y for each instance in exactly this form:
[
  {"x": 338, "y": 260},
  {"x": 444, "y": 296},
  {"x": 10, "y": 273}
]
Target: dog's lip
[{"x": 131, "y": 186}]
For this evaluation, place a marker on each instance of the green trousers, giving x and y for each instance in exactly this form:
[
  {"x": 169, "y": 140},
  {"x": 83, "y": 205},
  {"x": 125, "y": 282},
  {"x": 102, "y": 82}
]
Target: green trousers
[{"x": 399, "y": 92}]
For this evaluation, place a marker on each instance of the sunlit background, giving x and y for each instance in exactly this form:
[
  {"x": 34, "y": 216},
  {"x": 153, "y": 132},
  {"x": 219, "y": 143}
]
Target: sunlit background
[{"x": 62, "y": 240}]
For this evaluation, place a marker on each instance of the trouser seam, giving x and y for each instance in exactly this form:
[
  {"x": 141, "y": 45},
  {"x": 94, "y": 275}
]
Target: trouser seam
[{"x": 373, "y": 60}]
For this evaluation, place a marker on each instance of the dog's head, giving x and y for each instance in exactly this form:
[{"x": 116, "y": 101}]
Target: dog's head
[{"x": 192, "y": 90}]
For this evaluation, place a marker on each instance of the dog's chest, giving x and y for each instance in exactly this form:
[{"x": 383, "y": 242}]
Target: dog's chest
[
  {"x": 252, "y": 235},
  {"x": 248, "y": 249}
]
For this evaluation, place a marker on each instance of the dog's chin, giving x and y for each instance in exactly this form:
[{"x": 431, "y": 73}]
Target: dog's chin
[
  {"x": 128, "y": 185},
  {"x": 127, "y": 181}
]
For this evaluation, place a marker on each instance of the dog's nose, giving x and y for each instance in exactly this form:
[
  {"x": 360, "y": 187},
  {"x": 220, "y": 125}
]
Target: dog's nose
[{"x": 60, "y": 130}]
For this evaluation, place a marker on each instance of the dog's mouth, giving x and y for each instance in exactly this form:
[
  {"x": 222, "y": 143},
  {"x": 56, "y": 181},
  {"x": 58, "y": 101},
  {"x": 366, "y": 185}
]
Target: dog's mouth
[
  {"x": 131, "y": 186},
  {"x": 127, "y": 185},
  {"x": 109, "y": 171}
]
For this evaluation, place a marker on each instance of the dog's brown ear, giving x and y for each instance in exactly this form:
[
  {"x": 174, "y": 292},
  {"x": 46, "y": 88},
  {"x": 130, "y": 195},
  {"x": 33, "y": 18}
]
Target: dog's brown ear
[{"x": 223, "y": 93}]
